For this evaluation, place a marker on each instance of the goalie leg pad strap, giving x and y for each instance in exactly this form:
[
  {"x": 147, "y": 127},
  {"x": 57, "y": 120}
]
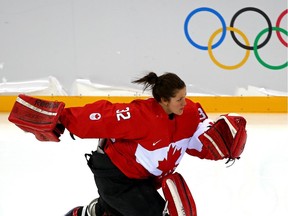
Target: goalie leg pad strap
[{"x": 179, "y": 198}]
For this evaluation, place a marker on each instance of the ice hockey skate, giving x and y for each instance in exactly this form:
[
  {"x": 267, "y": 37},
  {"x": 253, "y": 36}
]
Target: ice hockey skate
[{"x": 92, "y": 209}]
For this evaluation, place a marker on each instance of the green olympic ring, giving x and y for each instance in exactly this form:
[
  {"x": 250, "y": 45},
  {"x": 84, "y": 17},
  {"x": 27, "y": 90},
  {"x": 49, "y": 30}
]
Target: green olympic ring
[{"x": 277, "y": 67}]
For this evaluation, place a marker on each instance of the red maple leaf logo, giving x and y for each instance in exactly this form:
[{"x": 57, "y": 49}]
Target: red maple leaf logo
[{"x": 168, "y": 164}]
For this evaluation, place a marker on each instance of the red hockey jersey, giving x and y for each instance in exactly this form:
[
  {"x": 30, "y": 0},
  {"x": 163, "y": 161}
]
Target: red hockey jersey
[{"x": 144, "y": 141}]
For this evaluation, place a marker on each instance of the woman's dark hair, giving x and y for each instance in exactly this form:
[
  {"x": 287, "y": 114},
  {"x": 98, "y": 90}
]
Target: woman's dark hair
[{"x": 164, "y": 86}]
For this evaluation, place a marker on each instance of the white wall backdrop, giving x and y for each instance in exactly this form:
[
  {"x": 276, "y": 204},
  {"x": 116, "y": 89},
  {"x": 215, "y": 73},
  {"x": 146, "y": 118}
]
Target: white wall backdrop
[{"x": 112, "y": 42}]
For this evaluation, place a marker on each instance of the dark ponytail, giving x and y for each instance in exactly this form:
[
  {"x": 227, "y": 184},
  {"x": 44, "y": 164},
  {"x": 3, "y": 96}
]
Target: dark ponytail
[
  {"x": 164, "y": 86},
  {"x": 148, "y": 81}
]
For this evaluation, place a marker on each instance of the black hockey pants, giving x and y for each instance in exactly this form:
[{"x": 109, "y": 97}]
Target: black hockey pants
[{"x": 122, "y": 196}]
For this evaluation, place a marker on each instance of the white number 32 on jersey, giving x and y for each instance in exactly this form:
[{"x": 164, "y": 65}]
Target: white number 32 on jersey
[{"x": 123, "y": 114}]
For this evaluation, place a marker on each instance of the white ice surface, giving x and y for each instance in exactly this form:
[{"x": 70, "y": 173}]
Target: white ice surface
[{"x": 48, "y": 179}]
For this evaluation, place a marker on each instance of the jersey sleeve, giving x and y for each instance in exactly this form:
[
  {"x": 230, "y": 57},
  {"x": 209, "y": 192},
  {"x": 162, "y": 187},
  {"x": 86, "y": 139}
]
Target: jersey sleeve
[
  {"x": 103, "y": 119},
  {"x": 195, "y": 147}
]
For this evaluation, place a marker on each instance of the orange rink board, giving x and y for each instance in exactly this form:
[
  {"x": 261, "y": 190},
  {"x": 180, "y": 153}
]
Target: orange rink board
[{"x": 216, "y": 104}]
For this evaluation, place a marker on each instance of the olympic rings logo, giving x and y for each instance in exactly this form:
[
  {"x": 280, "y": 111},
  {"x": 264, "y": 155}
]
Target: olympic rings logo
[{"x": 234, "y": 30}]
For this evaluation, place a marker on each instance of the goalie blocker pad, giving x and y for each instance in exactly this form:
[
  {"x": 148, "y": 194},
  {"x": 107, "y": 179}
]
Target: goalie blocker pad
[
  {"x": 179, "y": 199},
  {"x": 38, "y": 116},
  {"x": 226, "y": 138}
]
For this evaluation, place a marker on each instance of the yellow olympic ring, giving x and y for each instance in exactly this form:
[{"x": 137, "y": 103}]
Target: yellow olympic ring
[{"x": 232, "y": 67}]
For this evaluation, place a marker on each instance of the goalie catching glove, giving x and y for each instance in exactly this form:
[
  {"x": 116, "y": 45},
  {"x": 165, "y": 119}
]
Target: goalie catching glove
[
  {"x": 226, "y": 138},
  {"x": 38, "y": 116}
]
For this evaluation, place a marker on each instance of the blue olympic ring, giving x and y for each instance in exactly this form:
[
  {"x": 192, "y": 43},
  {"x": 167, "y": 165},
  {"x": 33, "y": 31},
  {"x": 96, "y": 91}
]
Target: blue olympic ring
[{"x": 213, "y": 12}]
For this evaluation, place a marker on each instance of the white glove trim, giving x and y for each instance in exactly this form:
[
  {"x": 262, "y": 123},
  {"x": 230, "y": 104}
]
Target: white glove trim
[
  {"x": 30, "y": 106},
  {"x": 214, "y": 144},
  {"x": 231, "y": 127}
]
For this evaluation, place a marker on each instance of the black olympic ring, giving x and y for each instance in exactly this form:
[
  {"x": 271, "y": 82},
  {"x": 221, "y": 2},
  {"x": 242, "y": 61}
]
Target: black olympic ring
[{"x": 266, "y": 18}]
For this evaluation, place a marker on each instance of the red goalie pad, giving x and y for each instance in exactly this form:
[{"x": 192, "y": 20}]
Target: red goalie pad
[
  {"x": 37, "y": 116},
  {"x": 226, "y": 138},
  {"x": 179, "y": 198}
]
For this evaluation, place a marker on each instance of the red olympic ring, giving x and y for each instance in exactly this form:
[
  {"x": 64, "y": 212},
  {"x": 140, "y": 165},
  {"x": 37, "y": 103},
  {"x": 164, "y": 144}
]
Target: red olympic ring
[{"x": 278, "y": 24}]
